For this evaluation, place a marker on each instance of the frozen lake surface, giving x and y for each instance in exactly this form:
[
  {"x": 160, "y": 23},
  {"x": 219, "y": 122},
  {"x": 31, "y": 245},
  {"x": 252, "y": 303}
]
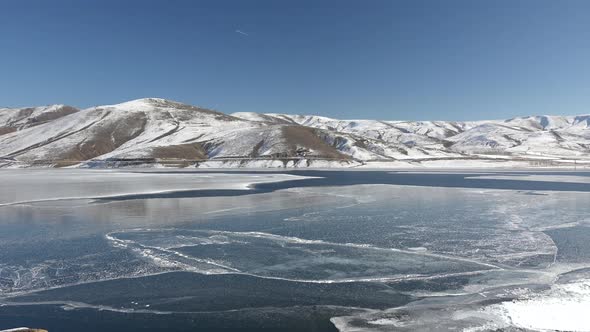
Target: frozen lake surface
[{"x": 154, "y": 250}]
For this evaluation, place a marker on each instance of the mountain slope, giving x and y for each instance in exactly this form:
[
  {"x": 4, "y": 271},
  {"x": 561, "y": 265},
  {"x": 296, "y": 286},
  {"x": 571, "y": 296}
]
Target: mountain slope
[
  {"x": 538, "y": 136},
  {"x": 149, "y": 129},
  {"x": 155, "y": 131},
  {"x": 13, "y": 119}
]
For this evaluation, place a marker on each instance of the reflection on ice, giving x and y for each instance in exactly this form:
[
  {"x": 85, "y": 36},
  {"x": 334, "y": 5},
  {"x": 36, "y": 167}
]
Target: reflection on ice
[{"x": 33, "y": 186}]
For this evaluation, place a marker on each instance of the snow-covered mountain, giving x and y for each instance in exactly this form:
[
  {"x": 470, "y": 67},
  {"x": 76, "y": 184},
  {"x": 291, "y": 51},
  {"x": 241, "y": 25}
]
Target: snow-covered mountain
[{"x": 155, "y": 131}]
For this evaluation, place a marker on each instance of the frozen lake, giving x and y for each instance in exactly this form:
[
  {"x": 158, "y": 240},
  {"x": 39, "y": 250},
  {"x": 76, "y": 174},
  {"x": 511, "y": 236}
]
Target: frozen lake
[{"x": 151, "y": 250}]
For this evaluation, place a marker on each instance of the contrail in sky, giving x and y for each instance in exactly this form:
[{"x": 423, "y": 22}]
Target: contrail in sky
[{"x": 242, "y": 32}]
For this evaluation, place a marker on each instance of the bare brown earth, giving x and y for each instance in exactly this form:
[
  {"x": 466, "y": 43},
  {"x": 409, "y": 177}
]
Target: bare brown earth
[
  {"x": 181, "y": 151},
  {"x": 6, "y": 130},
  {"x": 299, "y": 137},
  {"x": 106, "y": 138}
]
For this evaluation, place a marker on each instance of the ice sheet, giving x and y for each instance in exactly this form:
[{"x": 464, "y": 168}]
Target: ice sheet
[{"x": 479, "y": 258}]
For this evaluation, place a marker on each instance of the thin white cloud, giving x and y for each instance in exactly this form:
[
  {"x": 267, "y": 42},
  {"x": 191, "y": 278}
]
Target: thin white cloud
[{"x": 242, "y": 32}]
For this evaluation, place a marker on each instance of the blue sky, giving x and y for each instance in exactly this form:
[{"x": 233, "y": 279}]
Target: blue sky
[{"x": 374, "y": 59}]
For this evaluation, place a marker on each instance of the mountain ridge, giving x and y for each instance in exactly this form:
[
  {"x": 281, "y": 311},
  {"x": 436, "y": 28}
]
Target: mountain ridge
[{"x": 160, "y": 132}]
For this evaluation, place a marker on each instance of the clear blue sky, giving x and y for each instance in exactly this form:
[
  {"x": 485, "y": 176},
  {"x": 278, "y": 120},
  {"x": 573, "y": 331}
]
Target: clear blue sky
[{"x": 379, "y": 59}]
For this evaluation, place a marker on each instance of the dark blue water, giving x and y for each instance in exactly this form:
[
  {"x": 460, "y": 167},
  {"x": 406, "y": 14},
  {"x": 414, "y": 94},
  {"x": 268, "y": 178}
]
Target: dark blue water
[{"x": 339, "y": 178}]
